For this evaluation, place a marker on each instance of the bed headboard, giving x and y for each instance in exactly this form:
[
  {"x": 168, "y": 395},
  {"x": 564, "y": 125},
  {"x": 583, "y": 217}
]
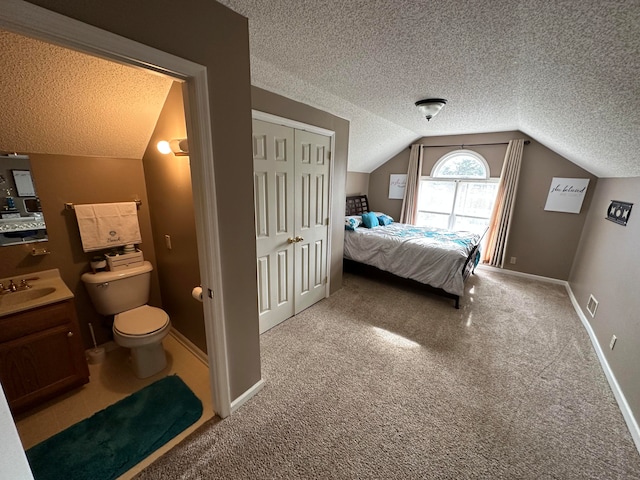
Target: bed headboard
[{"x": 357, "y": 205}]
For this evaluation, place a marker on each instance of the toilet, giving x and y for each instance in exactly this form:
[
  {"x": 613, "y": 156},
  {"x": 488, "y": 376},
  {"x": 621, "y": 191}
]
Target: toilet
[{"x": 136, "y": 325}]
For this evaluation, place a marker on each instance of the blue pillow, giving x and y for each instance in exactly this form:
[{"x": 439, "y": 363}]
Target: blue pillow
[
  {"x": 384, "y": 219},
  {"x": 370, "y": 220}
]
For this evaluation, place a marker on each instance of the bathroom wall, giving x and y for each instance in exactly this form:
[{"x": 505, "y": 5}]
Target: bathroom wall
[
  {"x": 168, "y": 180},
  {"x": 62, "y": 179}
]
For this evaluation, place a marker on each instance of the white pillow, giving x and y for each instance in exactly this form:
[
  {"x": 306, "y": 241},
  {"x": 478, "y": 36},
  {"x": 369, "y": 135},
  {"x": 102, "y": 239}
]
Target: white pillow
[{"x": 351, "y": 222}]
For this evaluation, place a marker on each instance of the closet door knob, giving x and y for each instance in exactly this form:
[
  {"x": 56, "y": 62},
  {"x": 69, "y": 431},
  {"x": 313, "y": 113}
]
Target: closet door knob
[
  {"x": 291, "y": 240},
  {"x": 299, "y": 239},
  {"x": 69, "y": 334}
]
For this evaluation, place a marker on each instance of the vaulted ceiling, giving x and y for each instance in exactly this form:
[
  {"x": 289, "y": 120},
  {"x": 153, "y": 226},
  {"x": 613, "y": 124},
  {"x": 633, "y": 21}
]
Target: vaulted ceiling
[{"x": 564, "y": 72}]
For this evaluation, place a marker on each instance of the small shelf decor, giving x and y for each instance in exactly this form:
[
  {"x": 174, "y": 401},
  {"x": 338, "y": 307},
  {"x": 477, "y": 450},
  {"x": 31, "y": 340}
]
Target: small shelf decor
[{"x": 619, "y": 212}]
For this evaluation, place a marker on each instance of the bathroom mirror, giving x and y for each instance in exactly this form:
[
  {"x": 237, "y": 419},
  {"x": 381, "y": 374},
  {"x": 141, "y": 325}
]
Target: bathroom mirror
[{"x": 21, "y": 219}]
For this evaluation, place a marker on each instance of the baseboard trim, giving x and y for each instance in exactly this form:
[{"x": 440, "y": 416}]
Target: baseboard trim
[
  {"x": 242, "y": 399},
  {"x": 189, "y": 345},
  {"x": 521, "y": 274},
  {"x": 627, "y": 414}
]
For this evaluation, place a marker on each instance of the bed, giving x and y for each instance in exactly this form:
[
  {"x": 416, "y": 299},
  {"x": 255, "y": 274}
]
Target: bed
[{"x": 441, "y": 260}]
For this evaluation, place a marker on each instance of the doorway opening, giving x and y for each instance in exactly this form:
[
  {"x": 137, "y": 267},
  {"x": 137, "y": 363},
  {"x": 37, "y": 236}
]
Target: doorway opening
[{"x": 29, "y": 20}]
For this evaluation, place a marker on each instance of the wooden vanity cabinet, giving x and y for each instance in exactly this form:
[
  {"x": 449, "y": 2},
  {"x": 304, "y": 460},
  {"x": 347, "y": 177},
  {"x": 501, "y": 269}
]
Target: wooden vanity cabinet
[{"x": 41, "y": 355}]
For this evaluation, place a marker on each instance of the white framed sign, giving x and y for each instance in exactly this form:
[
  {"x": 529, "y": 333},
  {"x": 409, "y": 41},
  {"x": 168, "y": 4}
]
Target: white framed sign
[
  {"x": 24, "y": 183},
  {"x": 566, "y": 194},
  {"x": 397, "y": 184}
]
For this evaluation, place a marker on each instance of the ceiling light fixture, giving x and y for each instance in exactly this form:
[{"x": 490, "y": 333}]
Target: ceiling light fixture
[
  {"x": 430, "y": 107},
  {"x": 179, "y": 147}
]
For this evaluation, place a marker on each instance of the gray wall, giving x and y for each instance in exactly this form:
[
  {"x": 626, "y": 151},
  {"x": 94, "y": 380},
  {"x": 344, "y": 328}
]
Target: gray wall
[
  {"x": 544, "y": 243},
  {"x": 268, "y": 102},
  {"x": 217, "y": 38},
  {"x": 357, "y": 183},
  {"x": 606, "y": 266}
]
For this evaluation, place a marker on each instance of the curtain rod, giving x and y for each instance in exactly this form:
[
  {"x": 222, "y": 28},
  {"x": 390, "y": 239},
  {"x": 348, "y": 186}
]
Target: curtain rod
[{"x": 462, "y": 145}]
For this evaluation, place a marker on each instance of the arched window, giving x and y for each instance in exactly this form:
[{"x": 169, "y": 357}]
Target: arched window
[
  {"x": 461, "y": 164},
  {"x": 459, "y": 194}
]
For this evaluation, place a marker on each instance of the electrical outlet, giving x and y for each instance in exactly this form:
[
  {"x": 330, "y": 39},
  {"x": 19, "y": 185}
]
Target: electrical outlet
[
  {"x": 592, "y": 305},
  {"x": 512, "y": 261},
  {"x": 612, "y": 343}
]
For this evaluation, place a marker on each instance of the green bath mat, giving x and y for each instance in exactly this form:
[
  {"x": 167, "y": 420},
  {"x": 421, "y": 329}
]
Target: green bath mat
[{"x": 113, "y": 440}]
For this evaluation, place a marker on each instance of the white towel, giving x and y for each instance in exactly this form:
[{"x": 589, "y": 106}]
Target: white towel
[{"x": 106, "y": 225}]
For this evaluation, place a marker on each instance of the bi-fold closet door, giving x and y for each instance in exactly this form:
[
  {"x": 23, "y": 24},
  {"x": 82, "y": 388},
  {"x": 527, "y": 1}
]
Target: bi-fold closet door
[{"x": 291, "y": 191}]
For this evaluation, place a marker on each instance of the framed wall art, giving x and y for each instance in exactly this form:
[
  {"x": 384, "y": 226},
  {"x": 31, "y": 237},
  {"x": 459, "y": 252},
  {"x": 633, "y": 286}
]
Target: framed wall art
[
  {"x": 24, "y": 183},
  {"x": 566, "y": 194},
  {"x": 397, "y": 184},
  {"x": 619, "y": 212}
]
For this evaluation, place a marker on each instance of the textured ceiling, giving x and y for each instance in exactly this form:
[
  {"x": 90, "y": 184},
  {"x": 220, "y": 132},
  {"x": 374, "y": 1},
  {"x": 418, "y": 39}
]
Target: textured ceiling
[
  {"x": 55, "y": 100},
  {"x": 564, "y": 72}
]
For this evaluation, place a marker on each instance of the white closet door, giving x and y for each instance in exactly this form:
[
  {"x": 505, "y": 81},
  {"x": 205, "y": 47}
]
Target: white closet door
[
  {"x": 312, "y": 161},
  {"x": 273, "y": 165}
]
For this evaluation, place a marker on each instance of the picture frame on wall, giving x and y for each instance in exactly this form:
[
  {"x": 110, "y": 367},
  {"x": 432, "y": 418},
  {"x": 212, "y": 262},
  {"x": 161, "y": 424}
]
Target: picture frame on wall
[
  {"x": 566, "y": 194},
  {"x": 619, "y": 212},
  {"x": 24, "y": 183},
  {"x": 397, "y": 184}
]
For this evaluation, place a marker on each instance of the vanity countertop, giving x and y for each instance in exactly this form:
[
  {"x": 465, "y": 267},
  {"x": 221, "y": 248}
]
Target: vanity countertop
[
  {"x": 22, "y": 224},
  {"x": 46, "y": 287}
]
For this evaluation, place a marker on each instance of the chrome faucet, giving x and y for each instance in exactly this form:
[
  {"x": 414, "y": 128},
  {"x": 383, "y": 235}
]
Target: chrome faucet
[{"x": 12, "y": 287}]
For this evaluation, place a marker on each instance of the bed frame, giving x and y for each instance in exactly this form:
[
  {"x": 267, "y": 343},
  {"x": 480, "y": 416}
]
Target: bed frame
[{"x": 359, "y": 204}]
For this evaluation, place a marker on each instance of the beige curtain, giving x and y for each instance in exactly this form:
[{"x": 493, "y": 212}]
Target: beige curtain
[
  {"x": 502, "y": 214},
  {"x": 410, "y": 200}
]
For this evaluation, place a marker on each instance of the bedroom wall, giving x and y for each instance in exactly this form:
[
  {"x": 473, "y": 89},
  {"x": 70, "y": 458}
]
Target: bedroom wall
[
  {"x": 168, "y": 180},
  {"x": 357, "y": 183},
  {"x": 606, "y": 266},
  {"x": 218, "y": 39},
  {"x": 544, "y": 243},
  {"x": 274, "y": 104}
]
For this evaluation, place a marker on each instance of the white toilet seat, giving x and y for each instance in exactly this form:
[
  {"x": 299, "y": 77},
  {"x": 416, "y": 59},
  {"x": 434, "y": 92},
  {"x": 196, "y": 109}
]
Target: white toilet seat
[
  {"x": 142, "y": 329},
  {"x": 140, "y": 321}
]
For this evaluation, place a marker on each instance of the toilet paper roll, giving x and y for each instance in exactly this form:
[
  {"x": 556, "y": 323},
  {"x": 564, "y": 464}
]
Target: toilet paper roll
[{"x": 197, "y": 293}]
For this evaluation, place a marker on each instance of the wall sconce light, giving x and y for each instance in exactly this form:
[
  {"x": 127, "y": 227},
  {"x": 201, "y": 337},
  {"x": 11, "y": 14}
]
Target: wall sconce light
[
  {"x": 179, "y": 147},
  {"x": 430, "y": 107}
]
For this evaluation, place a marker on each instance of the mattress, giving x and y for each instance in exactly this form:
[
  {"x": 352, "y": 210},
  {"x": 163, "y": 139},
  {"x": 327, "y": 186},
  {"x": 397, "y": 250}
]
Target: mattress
[{"x": 428, "y": 255}]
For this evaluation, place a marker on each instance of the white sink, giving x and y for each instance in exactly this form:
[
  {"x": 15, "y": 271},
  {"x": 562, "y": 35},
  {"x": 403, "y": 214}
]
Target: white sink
[{"x": 45, "y": 287}]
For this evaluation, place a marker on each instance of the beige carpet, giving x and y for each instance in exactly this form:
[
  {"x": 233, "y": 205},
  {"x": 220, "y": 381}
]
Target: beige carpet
[{"x": 385, "y": 382}]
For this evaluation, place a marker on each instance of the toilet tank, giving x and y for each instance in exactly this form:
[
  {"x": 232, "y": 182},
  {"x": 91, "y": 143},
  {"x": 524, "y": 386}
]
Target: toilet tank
[{"x": 115, "y": 292}]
